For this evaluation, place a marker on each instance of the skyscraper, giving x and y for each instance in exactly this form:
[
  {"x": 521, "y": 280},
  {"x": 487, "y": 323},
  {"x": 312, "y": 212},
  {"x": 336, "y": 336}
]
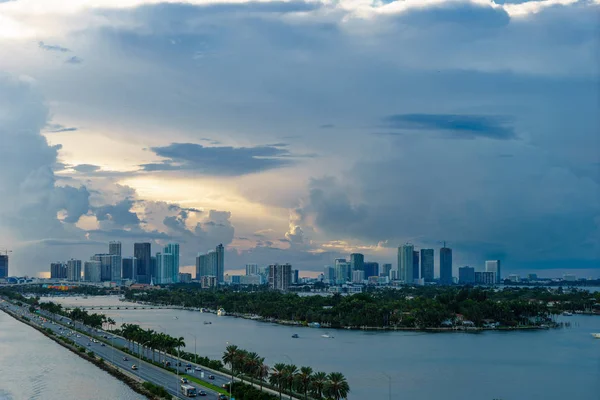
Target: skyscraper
[
  {"x": 371, "y": 269},
  {"x": 92, "y": 271},
  {"x": 405, "y": 263},
  {"x": 58, "y": 270},
  {"x": 165, "y": 264},
  {"x": 343, "y": 271},
  {"x": 494, "y": 266},
  {"x": 114, "y": 248},
  {"x": 142, "y": 253},
  {"x": 427, "y": 263},
  {"x": 280, "y": 276},
  {"x": 110, "y": 266},
  {"x": 329, "y": 274},
  {"x": 128, "y": 268},
  {"x": 3, "y": 266},
  {"x": 220, "y": 263},
  {"x": 385, "y": 270},
  {"x": 466, "y": 275},
  {"x": 173, "y": 248},
  {"x": 357, "y": 262},
  {"x": 251, "y": 269},
  {"x": 415, "y": 264},
  {"x": 445, "y": 265},
  {"x": 74, "y": 270}
]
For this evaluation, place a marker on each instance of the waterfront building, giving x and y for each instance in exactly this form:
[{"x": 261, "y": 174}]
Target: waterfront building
[
  {"x": 110, "y": 266},
  {"x": 220, "y": 262},
  {"x": 466, "y": 275},
  {"x": 92, "y": 271},
  {"x": 485, "y": 278},
  {"x": 280, "y": 276},
  {"x": 494, "y": 266},
  {"x": 143, "y": 255},
  {"x": 343, "y": 271},
  {"x": 357, "y": 262},
  {"x": 415, "y": 265},
  {"x": 385, "y": 270},
  {"x": 251, "y": 269},
  {"x": 427, "y": 264},
  {"x": 74, "y": 270},
  {"x": 358, "y": 276},
  {"x": 371, "y": 269},
  {"x": 128, "y": 268},
  {"x": 208, "y": 282},
  {"x": 58, "y": 270},
  {"x": 165, "y": 264},
  {"x": 405, "y": 263},
  {"x": 569, "y": 277},
  {"x": 173, "y": 249},
  {"x": 446, "y": 266},
  {"x": 3, "y": 266}
]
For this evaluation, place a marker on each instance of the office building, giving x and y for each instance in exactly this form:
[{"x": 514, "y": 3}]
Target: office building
[
  {"x": 114, "y": 248},
  {"x": 415, "y": 265},
  {"x": 295, "y": 276},
  {"x": 165, "y": 264},
  {"x": 173, "y": 249},
  {"x": 74, "y": 270},
  {"x": 185, "y": 277},
  {"x": 466, "y": 275},
  {"x": 485, "y": 278},
  {"x": 357, "y": 262},
  {"x": 251, "y": 269},
  {"x": 92, "y": 271},
  {"x": 329, "y": 274},
  {"x": 208, "y": 282},
  {"x": 128, "y": 269},
  {"x": 3, "y": 266},
  {"x": 143, "y": 255},
  {"x": 385, "y": 270},
  {"x": 343, "y": 271},
  {"x": 220, "y": 263},
  {"x": 494, "y": 266},
  {"x": 358, "y": 276},
  {"x": 110, "y": 266},
  {"x": 58, "y": 270},
  {"x": 280, "y": 276},
  {"x": 371, "y": 269},
  {"x": 446, "y": 266},
  {"x": 427, "y": 263},
  {"x": 405, "y": 263}
]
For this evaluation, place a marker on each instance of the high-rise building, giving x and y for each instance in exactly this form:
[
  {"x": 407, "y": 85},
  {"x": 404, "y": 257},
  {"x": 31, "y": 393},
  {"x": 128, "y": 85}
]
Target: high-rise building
[
  {"x": 427, "y": 263},
  {"x": 143, "y": 255},
  {"x": 357, "y": 262},
  {"x": 343, "y": 271},
  {"x": 405, "y": 263},
  {"x": 494, "y": 266},
  {"x": 371, "y": 269},
  {"x": 358, "y": 276},
  {"x": 185, "y": 277},
  {"x": 280, "y": 276},
  {"x": 466, "y": 275},
  {"x": 58, "y": 270},
  {"x": 385, "y": 270},
  {"x": 3, "y": 266},
  {"x": 415, "y": 265},
  {"x": 128, "y": 268},
  {"x": 92, "y": 271},
  {"x": 74, "y": 270},
  {"x": 207, "y": 282},
  {"x": 445, "y": 265},
  {"x": 295, "y": 276},
  {"x": 173, "y": 248},
  {"x": 485, "y": 278},
  {"x": 114, "y": 248},
  {"x": 165, "y": 264},
  {"x": 220, "y": 262},
  {"x": 251, "y": 269},
  {"x": 329, "y": 274},
  {"x": 110, "y": 266}
]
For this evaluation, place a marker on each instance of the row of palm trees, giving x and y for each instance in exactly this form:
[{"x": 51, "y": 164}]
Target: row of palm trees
[
  {"x": 150, "y": 339},
  {"x": 286, "y": 377}
]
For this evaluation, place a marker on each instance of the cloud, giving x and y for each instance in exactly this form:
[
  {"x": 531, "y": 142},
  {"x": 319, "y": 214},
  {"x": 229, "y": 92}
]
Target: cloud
[
  {"x": 218, "y": 160},
  {"x": 57, "y": 128},
  {"x": 74, "y": 60},
  {"x": 458, "y": 126},
  {"x": 50, "y": 47},
  {"x": 119, "y": 214},
  {"x": 86, "y": 168}
]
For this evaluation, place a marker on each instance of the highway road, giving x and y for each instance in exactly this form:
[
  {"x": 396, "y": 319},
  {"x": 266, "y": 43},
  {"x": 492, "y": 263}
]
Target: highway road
[{"x": 145, "y": 371}]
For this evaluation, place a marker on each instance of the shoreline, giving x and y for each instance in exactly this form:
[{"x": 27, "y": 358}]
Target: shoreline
[{"x": 103, "y": 365}]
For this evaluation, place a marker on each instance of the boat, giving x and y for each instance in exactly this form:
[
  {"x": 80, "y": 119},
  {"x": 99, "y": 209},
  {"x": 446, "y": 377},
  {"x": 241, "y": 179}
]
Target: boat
[
  {"x": 207, "y": 322},
  {"x": 295, "y": 336},
  {"x": 567, "y": 313},
  {"x": 221, "y": 312},
  {"x": 327, "y": 336},
  {"x": 596, "y": 335}
]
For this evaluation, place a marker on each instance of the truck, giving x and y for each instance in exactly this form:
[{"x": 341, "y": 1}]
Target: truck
[{"x": 188, "y": 391}]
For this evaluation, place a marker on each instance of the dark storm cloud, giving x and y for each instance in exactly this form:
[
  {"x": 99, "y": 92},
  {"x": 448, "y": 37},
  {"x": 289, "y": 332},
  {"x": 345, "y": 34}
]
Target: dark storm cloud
[
  {"x": 51, "y": 47},
  {"x": 230, "y": 161},
  {"x": 458, "y": 125},
  {"x": 120, "y": 213}
]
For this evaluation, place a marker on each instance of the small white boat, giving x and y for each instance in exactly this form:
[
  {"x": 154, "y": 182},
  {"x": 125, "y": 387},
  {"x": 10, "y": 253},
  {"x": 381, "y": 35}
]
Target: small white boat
[
  {"x": 327, "y": 336},
  {"x": 567, "y": 313},
  {"x": 596, "y": 335}
]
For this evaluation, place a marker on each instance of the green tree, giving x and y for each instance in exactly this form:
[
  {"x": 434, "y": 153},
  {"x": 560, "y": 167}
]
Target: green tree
[{"x": 336, "y": 386}]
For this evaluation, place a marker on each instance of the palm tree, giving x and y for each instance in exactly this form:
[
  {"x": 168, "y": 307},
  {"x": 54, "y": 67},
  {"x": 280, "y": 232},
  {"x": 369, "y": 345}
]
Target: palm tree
[
  {"x": 290, "y": 376},
  {"x": 262, "y": 372},
  {"x": 230, "y": 357},
  {"x": 303, "y": 380},
  {"x": 251, "y": 363},
  {"x": 240, "y": 363},
  {"x": 277, "y": 377},
  {"x": 337, "y": 386},
  {"x": 317, "y": 386}
]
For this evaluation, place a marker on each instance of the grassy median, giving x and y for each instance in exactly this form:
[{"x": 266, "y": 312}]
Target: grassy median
[{"x": 206, "y": 384}]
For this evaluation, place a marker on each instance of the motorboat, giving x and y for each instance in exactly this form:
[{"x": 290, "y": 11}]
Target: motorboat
[
  {"x": 207, "y": 322},
  {"x": 295, "y": 336},
  {"x": 327, "y": 336},
  {"x": 567, "y": 313},
  {"x": 596, "y": 335}
]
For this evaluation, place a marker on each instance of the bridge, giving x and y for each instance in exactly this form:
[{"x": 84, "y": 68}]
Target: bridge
[{"x": 129, "y": 306}]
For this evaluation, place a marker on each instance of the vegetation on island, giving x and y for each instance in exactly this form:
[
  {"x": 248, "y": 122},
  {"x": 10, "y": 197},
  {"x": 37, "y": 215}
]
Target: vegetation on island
[{"x": 407, "y": 307}]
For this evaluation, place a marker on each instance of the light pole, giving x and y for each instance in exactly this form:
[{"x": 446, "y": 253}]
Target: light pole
[
  {"x": 140, "y": 360},
  {"x": 195, "y": 355},
  {"x": 230, "y": 383},
  {"x": 390, "y": 383}
]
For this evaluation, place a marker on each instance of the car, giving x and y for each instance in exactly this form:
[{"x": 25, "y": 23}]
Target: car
[
  {"x": 184, "y": 381},
  {"x": 125, "y": 359},
  {"x": 226, "y": 385},
  {"x": 102, "y": 345},
  {"x": 134, "y": 367},
  {"x": 201, "y": 393},
  {"x": 211, "y": 377},
  {"x": 189, "y": 366},
  {"x": 222, "y": 397},
  {"x": 198, "y": 369},
  {"x": 78, "y": 336},
  {"x": 89, "y": 344}
]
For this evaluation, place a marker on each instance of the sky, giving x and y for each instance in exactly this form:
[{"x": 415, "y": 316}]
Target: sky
[{"x": 302, "y": 131}]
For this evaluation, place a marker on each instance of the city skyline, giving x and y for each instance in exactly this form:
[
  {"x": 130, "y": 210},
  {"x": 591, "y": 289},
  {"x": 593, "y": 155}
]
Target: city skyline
[{"x": 301, "y": 132}]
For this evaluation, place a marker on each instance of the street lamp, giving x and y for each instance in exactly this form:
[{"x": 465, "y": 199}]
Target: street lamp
[
  {"x": 140, "y": 360},
  {"x": 195, "y": 355},
  {"x": 390, "y": 383}
]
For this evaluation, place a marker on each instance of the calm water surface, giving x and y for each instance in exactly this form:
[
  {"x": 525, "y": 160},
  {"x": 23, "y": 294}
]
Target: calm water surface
[
  {"x": 34, "y": 367},
  {"x": 550, "y": 365}
]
